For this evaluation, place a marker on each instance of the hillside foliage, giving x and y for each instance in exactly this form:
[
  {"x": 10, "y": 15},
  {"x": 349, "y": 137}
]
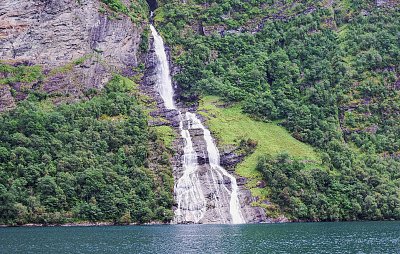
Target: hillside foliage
[
  {"x": 82, "y": 162},
  {"x": 327, "y": 70}
]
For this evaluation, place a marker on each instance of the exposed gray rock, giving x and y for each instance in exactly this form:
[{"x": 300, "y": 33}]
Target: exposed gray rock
[
  {"x": 241, "y": 181},
  {"x": 252, "y": 214},
  {"x": 261, "y": 184},
  {"x": 54, "y": 33},
  {"x": 6, "y": 98},
  {"x": 231, "y": 157}
]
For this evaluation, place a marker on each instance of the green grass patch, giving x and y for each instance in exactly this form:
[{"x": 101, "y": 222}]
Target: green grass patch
[
  {"x": 121, "y": 83},
  {"x": 69, "y": 66},
  {"x": 166, "y": 134},
  {"x": 262, "y": 193},
  {"x": 116, "y": 5},
  {"x": 22, "y": 73},
  {"x": 159, "y": 15},
  {"x": 137, "y": 10},
  {"x": 231, "y": 125},
  {"x": 130, "y": 84}
]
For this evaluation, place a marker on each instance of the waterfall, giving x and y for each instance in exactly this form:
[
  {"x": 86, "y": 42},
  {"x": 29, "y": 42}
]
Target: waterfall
[
  {"x": 164, "y": 84},
  {"x": 190, "y": 188}
]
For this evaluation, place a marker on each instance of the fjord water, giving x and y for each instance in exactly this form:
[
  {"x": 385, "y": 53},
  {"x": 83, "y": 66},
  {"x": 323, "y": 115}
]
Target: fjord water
[
  {"x": 341, "y": 237},
  {"x": 192, "y": 205}
]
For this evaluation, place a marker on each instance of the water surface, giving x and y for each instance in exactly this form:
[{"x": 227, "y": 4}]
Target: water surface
[{"x": 342, "y": 237}]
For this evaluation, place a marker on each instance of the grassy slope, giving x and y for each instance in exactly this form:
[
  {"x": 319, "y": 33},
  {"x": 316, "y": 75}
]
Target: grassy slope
[
  {"x": 230, "y": 125},
  {"x": 166, "y": 134}
]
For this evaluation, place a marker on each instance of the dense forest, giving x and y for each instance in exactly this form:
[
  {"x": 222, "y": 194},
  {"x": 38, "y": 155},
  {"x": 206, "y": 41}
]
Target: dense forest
[
  {"x": 328, "y": 71},
  {"x": 87, "y": 161}
]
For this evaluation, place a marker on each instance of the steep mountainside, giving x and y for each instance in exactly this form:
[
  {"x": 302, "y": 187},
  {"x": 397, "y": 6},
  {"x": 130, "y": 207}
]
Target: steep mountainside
[
  {"x": 327, "y": 71},
  {"x": 64, "y": 48}
]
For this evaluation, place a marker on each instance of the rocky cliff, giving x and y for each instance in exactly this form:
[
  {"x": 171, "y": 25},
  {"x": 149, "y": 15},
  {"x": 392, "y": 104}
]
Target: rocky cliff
[{"x": 76, "y": 44}]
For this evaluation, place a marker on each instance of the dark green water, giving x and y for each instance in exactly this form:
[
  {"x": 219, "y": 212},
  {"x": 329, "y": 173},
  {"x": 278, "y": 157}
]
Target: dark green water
[{"x": 344, "y": 237}]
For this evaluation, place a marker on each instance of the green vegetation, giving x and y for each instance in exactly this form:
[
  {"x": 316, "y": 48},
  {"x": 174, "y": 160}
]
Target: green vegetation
[
  {"x": 228, "y": 13},
  {"x": 69, "y": 66},
  {"x": 318, "y": 194},
  {"x": 231, "y": 126},
  {"x": 166, "y": 134},
  {"x": 116, "y": 5},
  {"x": 371, "y": 105},
  {"x": 137, "y": 10},
  {"x": 83, "y": 162},
  {"x": 327, "y": 73},
  {"x": 25, "y": 78},
  {"x": 20, "y": 74},
  {"x": 144, "y": 41}
]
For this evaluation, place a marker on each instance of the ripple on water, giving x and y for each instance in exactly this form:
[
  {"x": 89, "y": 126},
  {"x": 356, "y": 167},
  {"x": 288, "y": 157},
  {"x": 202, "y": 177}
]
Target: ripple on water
[{"x": 342, "y": 237}]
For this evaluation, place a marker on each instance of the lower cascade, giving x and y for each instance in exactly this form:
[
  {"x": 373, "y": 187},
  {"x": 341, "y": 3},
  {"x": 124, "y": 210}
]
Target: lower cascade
[{"x": 205, "y": 193}]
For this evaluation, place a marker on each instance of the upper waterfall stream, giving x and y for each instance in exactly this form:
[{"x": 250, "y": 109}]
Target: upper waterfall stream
[{"x": 201, "y": 192}]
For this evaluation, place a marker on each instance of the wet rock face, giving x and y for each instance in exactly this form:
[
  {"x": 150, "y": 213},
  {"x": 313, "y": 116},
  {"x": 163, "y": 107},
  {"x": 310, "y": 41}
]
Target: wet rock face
[{"x": 54, "y": 33}]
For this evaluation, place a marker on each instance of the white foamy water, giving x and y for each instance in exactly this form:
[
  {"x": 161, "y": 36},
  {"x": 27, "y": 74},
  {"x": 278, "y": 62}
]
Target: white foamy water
[
  {"x": 189, "y": 190},
  {"x": 164, "y": 84}
]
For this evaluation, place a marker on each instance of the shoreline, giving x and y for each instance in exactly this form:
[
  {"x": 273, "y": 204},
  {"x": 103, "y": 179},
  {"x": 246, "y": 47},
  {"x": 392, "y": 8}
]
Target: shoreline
[
  {"x": 80, "y": 224},
  {"x": 107, "y": 224}
]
